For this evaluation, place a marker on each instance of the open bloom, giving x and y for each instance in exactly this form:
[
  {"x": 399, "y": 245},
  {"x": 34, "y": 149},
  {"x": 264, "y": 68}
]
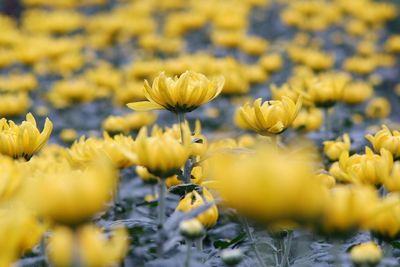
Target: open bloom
[
  {"x": 270, "y": 117},
  {"x": 95, "y": 249},
  {"x": 182, "y": 94},
  {"x": 25, "y": 139},
  {"x": 385, "y": 138},
  {"x": 194, "y": 200},
  {"x": 333, "y": 149},
  {"x": 369, "y": 168}
]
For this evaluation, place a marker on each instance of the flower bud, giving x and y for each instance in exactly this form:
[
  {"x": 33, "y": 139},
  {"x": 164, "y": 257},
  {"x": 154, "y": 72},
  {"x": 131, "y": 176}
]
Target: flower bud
[
  {"x": 191, "y": 229},
  {"x": 366, "y": 254},
  {"x": 232, "y": 257}
]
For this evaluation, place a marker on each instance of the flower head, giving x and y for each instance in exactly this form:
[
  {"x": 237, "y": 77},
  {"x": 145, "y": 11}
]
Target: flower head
[
  {"x": 333, "y": 149},
  {"x": 268, "y": 118},
  {"x": 366, "y": 254},
  {"x": 385, "y": 138},
  {"x": 23, "y": 140},
  {"x": 182, "y": 94}
]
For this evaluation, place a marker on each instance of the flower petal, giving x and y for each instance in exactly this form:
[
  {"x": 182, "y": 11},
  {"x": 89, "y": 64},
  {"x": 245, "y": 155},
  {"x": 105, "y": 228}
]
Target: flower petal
[{"x": 144, "y": 106}]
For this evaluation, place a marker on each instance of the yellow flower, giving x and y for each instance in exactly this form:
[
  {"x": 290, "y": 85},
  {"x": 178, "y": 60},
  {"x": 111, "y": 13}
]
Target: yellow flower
[
  {"x": 369, "y": 168},
  {"x": 309, "y": 119},
  {"x": 326, "y": 179},
  {"x": 366, "y": 254},
  {"x": 129, "y": 122},
  {"x": 385, "y": 223},
  {"x": 392, "y": 180},
  {"x": 271, "y": 62},
  {"x": 20, "y": 232},
  {"x": 10, "y": 178},
  {"x": 146, "y": 177},
  {"x": 182, "y": 94},
  {"x": 347, "y": 209},
  {"x": 269, "y": 185},
  {"x": 90, "y": 243},
  {"x": 25, "y": 139},
  {"x": 357, "y": 92},
  {"x": 163, "y": 155},
  {"x": 378, "y": 108},
  {"x": 385, "y": 138},
  {"x": 194, "y": 200},
  {"x": 326, "y": 89},
  {"x": 191, "y": 228},
  {"x": 268, "y": 118},
  {"x": 14, "y": 104},
  {"x": 333, "y": 149},
  {"x": 68, "y": 135},
  {"x": 81, "y": 193},
  {"x": 196, "y": 178}
]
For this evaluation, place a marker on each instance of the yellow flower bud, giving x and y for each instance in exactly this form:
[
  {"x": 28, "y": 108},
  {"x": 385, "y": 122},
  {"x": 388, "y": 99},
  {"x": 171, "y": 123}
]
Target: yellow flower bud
[
  {"x": 268, "y": 118},
  {"x": 68, "y": 135},
  {"x": 357, "y": 92},
  {"x": 194, "y": 200},
  {"x": 366, "y": 254}
]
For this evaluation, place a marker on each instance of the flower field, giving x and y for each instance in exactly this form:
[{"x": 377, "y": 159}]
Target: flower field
[{"x": 183, "y": 133}]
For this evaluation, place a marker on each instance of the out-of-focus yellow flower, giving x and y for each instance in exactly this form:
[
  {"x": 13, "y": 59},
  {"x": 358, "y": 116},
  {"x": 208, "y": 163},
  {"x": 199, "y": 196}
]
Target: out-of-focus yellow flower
[
  {"x": 267, "y": 185},
  {"x": 309, "y": 119},
  {"x": 129, "y": 122},
  {"x": 357, "y": 92},
  {"x": 366, "y": 254},
  {"x": 163, "y": 155},
  {"x": 255, "y": 74},
  {"x": 315, "y": 59},
  {"x": 392, "y": 180},
  {"x": 369, "y": 168},
  {"x": 326, "y": 89},
  {"x": 81, "y": 193},
  {"x": 393, "y": 44},
  {"x": 385, "y": 138},
  {"x": 90, "y": 243},
  {"x": 14, "y": 104},
  {"x": 347, "y": 209},
  {"x": 18, "y": 83},
  {"x": 333, "y": 149},
  {"x": 360, "y": 65},
  {"x": 10, "y": 178},
  {"x": 68, "y": 135},
  {"x": 268, "y": 118},
  {"x": 378, "y": 108},
  {"x": 146, "y": 177},
  {"x": 253, "y": 45},
  {"x": 271, "y": 62},
  {"x": 20, "y": 232},
  {"x": 326, "y": 179},
  {"x": 182, "y": 94},
  {"x": 25, "y": 139},
  {"x": 385, "y": 223},
  {"x": 194, "y": 200}
]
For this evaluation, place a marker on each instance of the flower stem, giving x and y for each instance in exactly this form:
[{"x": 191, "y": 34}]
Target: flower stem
[
  {"x": 181, "y": 121},
  {"x": 326, "y": 123},
  {"x": 253, "y": 243},
  {"x": 188, "y": 253},
  {"x": 161, "y": 202},
  {"x": 286, "y": 251},
  {"x": 199, "y": 244}
]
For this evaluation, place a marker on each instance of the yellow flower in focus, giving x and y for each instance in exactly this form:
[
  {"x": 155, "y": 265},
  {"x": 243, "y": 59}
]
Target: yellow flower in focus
[
  {"x": 81, "y": 193},
  {"x": 92, "y": 245},
  {"x": 23, "y": 140},
  {"x": 378, "y": 108},
  {"x": 309, "y": 119},
  {"x": 268, "y": 118},
  {"x": 369, "y": 168},
  {"x": 385, "y": 138},
  {"x": 333, "y": 149},
  {"x": 178, "y": 95},
  {"x": 194, "y": 200},
  {"x": 163, "y": 155},
  {"x": 366, "y": 254}
]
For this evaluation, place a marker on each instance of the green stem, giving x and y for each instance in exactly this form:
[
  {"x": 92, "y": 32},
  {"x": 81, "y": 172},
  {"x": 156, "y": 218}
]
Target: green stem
[
  {"x": 286, "y": 251},
  {"x": 161, "y": 202},
  {"x": 199, "y": 244},
  {"x": 181, "y": 121},
  {"x": 253, "y": 243},
  {"x": 76, "y": 254},
  {"x": 326, "y": 123},
  {"x": 188, "y": 253}
]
